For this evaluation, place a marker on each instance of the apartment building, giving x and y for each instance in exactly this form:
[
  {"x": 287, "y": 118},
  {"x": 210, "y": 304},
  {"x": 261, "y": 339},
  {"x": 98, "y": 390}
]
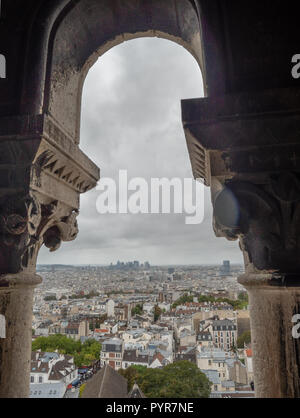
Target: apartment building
[
  {"x": 224, "y": 333},
  {"x": 112, "y": 353}
]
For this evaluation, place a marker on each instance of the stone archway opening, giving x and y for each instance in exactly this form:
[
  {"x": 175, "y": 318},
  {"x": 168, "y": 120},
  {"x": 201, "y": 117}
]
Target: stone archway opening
[
  {"x": 131, "y": 119},
  {"x": 243, "y": 137}
]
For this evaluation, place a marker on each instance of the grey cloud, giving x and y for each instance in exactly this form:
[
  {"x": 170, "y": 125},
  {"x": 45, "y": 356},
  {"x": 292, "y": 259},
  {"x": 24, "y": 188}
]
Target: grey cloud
[{"x": 131, "y": 119}]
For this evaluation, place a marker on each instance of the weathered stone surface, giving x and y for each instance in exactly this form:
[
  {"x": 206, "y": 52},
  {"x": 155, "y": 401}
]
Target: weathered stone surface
[
  {"x": 246, "y": 147},
  {"x": 43, "y": 174},
  {"x": 277, "y": 353},
  {"x": 16, "y": 299},
  {"x": 243, "y": 134},
  {"x": 266, "y": 219}
]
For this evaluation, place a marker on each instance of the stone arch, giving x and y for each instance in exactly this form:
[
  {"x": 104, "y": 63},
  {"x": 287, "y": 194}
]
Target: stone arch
[
  {"x": 92, "y": 27},
  {"x": 244, "y": 137}
]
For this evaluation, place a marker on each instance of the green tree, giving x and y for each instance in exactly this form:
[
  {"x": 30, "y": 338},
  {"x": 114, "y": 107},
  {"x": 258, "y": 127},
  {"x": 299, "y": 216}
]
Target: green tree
[
  {"x": 131, "y": 374},
  {"x": 138, "y": 310},
  {"x": 243, "y": 339},
  {"x": 204, "y": 298},
  {"x": 157, "y": 313},
  {"x": 84, "y": 354},
  {"x": 182, "y": 379},
  {"x": 241, "y": 303},
  {"x": 243, "y": 296},
  {"x": 50, "y": 298},
  {"x": 182, "y": 300}
]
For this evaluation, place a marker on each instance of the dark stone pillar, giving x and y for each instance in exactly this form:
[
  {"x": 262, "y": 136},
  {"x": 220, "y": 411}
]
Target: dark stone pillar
[
  {"x": 42, "y": 176},
  {"x": 246, "y": 148},
  {"x": 265, "y": 218},
  {"x": 16, "y": 297},
  {"x": 273, "y": 304}
]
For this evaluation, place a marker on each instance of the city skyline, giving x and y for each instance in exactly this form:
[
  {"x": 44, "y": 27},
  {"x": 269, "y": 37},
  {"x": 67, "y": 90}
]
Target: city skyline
[{"x": 152, "y": 265}]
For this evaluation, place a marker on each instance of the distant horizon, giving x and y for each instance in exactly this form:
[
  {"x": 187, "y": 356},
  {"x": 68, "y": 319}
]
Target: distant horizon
[{"x": 152, "y": 265}]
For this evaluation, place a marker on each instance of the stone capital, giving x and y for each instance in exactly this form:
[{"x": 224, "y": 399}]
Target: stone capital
[
  {"x": 43, "y": 173},
  {"x": 265, "y": 218}
]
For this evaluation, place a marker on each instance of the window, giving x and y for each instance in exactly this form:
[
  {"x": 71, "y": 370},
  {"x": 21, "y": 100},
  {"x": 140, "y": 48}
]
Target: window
[
  {"x": 41, "y": 379},
  {"x": 31, "y": 379}
]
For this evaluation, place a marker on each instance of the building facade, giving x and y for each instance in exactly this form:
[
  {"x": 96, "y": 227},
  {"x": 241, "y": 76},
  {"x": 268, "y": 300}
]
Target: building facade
[
  {"x": 224, "y": 333},
  {"x": 112, "y": 353}
]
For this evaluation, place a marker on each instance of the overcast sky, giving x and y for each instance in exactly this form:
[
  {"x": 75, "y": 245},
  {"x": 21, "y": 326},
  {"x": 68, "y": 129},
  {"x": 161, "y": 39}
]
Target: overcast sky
[{"x": 131, "y": 119}]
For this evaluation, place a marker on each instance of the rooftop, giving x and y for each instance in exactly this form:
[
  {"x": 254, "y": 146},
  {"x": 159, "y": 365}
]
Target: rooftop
[{"x": 107, "y": 383}]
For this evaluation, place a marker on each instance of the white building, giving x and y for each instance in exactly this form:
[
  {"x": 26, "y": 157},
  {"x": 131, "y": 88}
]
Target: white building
[
  {"x": 110, "y": 308},
  {"x": 50, "y": 374},
  {"x": 213, "y": 359},
  {"x": 148, "y": 307},
  {"x": 164, "y": 306},
  {"x": 167, "y": 337},
  {"x": 213, "y": 362},
  {"x": 136, "y": 339},
  {"x": 183, "y": 324},
  {"x": 249, "y": 364}
]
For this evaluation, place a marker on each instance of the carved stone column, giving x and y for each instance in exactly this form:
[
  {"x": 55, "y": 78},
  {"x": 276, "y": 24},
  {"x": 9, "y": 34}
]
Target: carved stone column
[
  {"x": 42, "y": 174},
  {"x": 16, "y": 298},
  {"x": 247, "y": 149},
  {"x": 266, "y": 220}
]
